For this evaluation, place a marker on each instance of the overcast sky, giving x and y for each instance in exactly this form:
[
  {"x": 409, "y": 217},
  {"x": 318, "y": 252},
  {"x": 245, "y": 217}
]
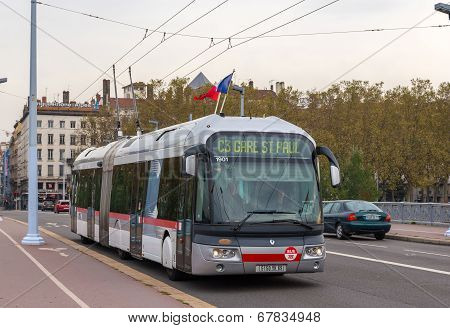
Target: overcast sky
[{"x": 305, "y": 62}]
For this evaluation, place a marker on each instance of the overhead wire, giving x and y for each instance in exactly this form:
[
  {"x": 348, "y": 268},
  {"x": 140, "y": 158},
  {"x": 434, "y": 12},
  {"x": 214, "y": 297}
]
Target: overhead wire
[
  {"x": 232, "y": 36},
  {"x": 134, "y": 47},
  {"x": 13, "y": 95},
  {"x": 261, "y": 34}
]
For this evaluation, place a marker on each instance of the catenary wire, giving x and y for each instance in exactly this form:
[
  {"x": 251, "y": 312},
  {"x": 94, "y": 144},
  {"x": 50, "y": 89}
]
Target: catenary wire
[
  {"x": 231, "y": 36},
  {"x": 264, "y": 33},
  {"x": 134, "y": 47}
]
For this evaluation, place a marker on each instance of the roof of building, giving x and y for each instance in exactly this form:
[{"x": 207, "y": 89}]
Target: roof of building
[
  {"x": 124, "y": 103},
  {"x": 135, "y": 84},
  {"x": 199, "y": 81}
]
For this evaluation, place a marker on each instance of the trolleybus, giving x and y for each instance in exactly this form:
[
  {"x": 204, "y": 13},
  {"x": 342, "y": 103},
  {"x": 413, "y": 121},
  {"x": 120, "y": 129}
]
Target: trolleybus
[{"x": 214, "y": 196}]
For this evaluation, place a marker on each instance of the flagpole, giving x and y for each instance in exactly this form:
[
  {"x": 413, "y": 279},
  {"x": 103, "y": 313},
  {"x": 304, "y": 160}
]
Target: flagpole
[
  {"x": 228, "y": 90},
  {"x": 217, "y": 103}
]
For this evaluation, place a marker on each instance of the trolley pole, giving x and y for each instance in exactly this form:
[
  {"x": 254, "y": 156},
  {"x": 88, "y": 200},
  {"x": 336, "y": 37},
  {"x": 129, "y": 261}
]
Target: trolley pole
[{"x": 33, "y": 237}]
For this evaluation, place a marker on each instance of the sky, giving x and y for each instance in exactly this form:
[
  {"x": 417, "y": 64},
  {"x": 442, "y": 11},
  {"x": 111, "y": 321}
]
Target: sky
[{"x": 305, "y": 62}]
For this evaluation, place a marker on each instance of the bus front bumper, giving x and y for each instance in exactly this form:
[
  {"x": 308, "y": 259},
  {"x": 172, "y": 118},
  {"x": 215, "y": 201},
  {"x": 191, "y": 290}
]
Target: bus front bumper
[{"x": 203, "y": 266}]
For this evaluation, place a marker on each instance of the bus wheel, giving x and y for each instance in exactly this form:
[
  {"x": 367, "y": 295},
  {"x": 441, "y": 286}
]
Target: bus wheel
[
  {"x": 123, "y": 255},
  {"x": 85, "y": 240},
  {"x": 167, "y": 262}
]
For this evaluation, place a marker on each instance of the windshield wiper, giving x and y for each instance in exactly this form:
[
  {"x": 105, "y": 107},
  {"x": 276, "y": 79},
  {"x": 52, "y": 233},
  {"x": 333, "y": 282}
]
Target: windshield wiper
[
  {"x": 249, "y": 214},
  {"x": 295, "y": 222}
]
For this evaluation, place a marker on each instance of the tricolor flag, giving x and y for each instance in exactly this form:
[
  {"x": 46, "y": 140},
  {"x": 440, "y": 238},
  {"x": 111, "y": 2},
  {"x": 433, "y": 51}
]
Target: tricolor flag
[{"x": 221, "y": 87}]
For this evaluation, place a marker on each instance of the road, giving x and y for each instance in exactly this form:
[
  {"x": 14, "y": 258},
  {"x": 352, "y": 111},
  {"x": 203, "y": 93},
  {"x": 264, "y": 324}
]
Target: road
[{"x": 362, "y": 272}]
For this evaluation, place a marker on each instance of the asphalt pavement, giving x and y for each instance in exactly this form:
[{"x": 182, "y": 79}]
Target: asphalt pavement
[{"x": 361, "y": 272}]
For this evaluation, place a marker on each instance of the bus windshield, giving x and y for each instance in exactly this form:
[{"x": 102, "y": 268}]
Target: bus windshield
[{"x": 272, "y": 188}]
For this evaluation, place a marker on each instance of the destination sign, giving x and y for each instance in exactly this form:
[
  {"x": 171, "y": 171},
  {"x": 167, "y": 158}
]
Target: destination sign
[{"x": 263, "y": 145}]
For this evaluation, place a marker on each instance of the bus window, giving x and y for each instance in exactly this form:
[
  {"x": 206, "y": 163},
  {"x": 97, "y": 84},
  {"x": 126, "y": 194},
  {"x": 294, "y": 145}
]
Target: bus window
[
  {"x": 151, "y": 199},
  {"x": 202, "y": 203}
]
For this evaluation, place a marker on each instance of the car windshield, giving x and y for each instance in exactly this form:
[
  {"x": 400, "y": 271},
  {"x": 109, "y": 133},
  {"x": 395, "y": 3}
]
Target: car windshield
[
  {"x": 270, "y": 190},
  {"x": 359, "y": 206}
]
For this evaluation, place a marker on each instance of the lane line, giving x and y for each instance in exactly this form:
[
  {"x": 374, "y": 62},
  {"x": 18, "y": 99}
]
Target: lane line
[
  {"x": 143, "y": 278},
  {"x": 362, "y": 244},
  {"x": 391, "y": 263},
  {"x": 58, "y": 283},
  {"x": 435, "y": 254}
]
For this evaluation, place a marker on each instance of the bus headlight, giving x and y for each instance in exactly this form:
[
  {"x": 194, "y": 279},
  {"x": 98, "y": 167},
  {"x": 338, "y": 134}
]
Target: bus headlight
[
  {"x": 314, "y": 252},
  {"x": 223, "y": 253}
]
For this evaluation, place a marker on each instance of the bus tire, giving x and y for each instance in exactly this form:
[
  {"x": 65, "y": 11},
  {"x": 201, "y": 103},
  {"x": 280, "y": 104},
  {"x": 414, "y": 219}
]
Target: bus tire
[
  {"x": 85, "y": 240},
  {"x": 167, "y": 261},
  {"x": 123, "y": 255}
]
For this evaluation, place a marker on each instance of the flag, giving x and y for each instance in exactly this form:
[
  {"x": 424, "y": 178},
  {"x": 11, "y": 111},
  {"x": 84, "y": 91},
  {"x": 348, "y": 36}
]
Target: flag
[
  {"x": 223, "y": 85},
  {"x": 212, "y": 94}
]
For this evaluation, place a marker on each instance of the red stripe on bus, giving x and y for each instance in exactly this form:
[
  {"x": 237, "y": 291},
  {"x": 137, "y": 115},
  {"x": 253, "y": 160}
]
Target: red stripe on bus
[
  {"x": 160, "y": 222},
  {"x": 81, "y": 210},
  {"x": 267, "y": 258}
]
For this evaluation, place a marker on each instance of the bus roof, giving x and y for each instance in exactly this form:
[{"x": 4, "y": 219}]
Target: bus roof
[{"x": 174, "y": 140}]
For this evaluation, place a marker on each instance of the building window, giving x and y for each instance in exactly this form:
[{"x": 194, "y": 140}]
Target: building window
[
  {"x": 83, "y": 124},
  {"x": 62, "y": 139},
  {"x": 62, "y": 153},
  {"x": 39, "y": 123},
  {"x": 39, "y": 139},
  {"x": 62, "y": 124},
  {"x": 73, "y": 139},
  {"x": 50, "y": 171},
  {"x": 39, "y": 154},
  {"x": 61, "y": 170},
  {"x": 72, "y": 154},
  {"x": 50, "y": 185},
  {"x": 50, "y": 139},
  {"x": 50, "y": 154},
  {"x": 40, "y": 185},
  {"x": 72, "y": 124},
  {"x": 39, "y": 172},
  {"x": 50, "y": 123},
  {"x": 83, "y": 140}
]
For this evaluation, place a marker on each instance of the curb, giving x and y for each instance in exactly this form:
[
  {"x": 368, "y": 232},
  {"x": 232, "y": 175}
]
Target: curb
[
  {"x": 419, "y": 240},
  {"x": 143, "y": 278}
]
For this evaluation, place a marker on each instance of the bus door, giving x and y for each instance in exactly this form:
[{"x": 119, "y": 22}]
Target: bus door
[
  {"x": 184, "y": 225},
  {"x": 136, "y": 215},
  {"x": 90, "y": 215}
]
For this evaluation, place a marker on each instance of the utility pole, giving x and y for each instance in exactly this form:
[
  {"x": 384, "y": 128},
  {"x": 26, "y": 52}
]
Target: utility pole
[
  {"x": 242, "y": 92},
  {"x": 118, "y": 130},
  {"x": 33, "y": 237},
  {"x": 138, "y": 123}
]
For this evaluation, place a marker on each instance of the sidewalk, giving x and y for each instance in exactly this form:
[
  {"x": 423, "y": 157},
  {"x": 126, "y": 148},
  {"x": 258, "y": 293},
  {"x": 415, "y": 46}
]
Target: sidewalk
[
  {"x": 57, "y": 275},
  {"x": 419, "y": 233}
]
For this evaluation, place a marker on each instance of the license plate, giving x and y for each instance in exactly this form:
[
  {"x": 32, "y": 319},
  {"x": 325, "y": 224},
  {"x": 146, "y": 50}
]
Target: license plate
[
  {"x": 271, "y": 268},
  {"x": 372, "y": 217}
]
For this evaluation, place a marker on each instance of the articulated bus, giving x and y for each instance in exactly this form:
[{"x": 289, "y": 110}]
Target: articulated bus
[{"x": 214, "y": 196}]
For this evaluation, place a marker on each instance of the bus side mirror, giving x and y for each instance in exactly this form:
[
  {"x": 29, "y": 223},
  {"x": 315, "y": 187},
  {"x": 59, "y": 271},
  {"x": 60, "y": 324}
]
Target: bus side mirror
[
  {"x": 334, "y": 165},
  {"x": 335, "y": 176},
  {"x": 190, "y": 165}
]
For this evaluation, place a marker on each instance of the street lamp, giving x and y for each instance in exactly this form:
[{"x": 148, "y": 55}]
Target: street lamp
[
  {"x": 32, "y": 237},
  {"x": 443, "y": 8}
]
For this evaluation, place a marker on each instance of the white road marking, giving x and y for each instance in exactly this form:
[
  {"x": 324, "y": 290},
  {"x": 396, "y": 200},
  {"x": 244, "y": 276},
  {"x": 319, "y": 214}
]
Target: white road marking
[
  {"x": 391, "y": 263},
  {"x": 362, "y": 244},
  {"x": 47, "y": 273},
  {"x": 1, "y": 219},
  {"x": 57, "y": 250},
  {"x": 436, "y": 254}
]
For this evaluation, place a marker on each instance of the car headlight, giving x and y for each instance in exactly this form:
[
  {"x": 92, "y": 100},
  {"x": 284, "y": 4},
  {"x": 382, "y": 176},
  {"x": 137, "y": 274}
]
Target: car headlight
[
  {"x": 314, "y": 252},
  {"x": 223, "y": 253}
]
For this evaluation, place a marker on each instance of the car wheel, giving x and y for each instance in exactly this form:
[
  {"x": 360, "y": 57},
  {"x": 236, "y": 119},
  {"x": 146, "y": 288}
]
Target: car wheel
[
  {"x": 172, "y": 273},
  {"x": 380, "y": 235},
  {"x": 340, "y": 234}
]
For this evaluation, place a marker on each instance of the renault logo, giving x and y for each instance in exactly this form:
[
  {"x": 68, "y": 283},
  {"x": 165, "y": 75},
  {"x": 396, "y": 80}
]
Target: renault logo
[{"x": 272, "y": 242}]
